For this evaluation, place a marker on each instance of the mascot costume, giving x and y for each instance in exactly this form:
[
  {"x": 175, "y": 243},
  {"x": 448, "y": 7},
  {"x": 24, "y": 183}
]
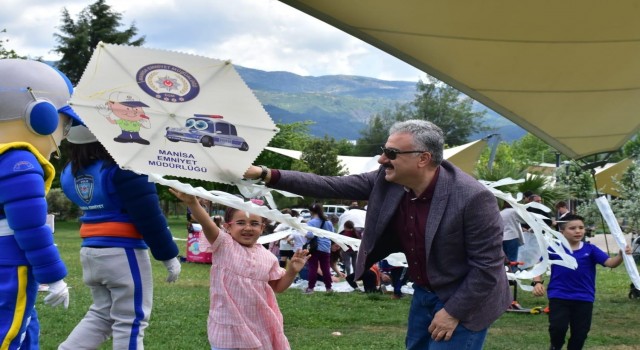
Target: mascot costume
[{"x": 34, "y": 118}]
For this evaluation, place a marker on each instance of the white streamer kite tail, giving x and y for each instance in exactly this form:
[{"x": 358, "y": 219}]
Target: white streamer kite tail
[
  {"x": 234, "y": 201},
  {"x": 546, "y": 237},
  {"x": 614, "y": 227}
]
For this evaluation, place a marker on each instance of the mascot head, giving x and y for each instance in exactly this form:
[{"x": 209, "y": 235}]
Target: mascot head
[{"x": 33, "y": 104}]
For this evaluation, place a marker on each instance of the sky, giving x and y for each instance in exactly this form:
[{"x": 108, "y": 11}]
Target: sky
[{"x": 260, "y": 34}]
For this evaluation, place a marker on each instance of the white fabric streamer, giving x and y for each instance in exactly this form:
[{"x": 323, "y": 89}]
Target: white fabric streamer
[
  {"x": 614, "y": 227},
  {"x": 545, "y": 235},
  {"x": 397, "y": 259},
  {"x": 233, "y": 201},
  {"x": 251, "y": 189}
]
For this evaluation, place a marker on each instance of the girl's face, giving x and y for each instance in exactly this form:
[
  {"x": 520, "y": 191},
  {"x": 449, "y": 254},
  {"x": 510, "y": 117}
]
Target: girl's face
[
  {"x": 245, "y": 229},
  {"x": 573, "y": 231}
]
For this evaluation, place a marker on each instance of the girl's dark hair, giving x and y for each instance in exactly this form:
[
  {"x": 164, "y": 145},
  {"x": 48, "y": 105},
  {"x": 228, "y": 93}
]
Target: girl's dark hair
[
  {"x": 229, "y": 212},
  {"x": 317, "y": 209},
  {"x": 348, "y": 225},
  {"x": 82, "y": 156}
]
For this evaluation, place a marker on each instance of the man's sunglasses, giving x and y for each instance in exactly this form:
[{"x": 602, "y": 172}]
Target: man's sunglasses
[{"x": 393, "y": 153}]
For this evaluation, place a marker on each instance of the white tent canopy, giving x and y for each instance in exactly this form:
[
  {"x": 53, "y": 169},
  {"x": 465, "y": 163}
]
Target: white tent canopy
[
  {"x": 607, "y": 175},
  {"x": 566, "y": 71},
  {"x": 465, "y": 156}
]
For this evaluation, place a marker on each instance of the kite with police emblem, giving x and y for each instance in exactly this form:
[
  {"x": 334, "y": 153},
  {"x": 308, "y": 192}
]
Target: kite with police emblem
[{"x": 171, "y": 113}]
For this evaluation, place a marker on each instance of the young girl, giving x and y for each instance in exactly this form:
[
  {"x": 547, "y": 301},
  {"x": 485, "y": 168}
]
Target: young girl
[
  {"x": 349, "y": 256},
  {"x": 572, "y": 292},
  {"x": 322, "y": 256},
  {"x": 243, "y": 310}
]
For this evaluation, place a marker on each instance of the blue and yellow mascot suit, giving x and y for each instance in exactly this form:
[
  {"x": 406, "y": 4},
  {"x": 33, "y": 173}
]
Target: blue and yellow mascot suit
[{"x": 34, "y": 118}]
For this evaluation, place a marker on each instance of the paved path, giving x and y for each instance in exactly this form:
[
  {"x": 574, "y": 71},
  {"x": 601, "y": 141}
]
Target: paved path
[{"x": 601, "y": 240}]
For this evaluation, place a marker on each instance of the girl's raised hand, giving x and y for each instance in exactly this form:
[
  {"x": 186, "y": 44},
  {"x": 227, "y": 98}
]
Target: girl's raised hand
[
  {"x": 298, "y": 259},
  {"x": 186, "y": 198}
]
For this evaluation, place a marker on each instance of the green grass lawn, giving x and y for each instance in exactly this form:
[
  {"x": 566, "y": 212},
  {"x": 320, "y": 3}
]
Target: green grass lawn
[{"x": 179, "y": 316}]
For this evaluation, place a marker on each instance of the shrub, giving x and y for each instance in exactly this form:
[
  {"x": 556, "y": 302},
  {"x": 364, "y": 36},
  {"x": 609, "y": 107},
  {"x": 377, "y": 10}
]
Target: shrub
[{"x": 61, "y": 206}]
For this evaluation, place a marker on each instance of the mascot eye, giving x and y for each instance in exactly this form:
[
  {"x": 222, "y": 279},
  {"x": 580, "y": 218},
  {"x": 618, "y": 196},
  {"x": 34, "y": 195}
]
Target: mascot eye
[
  {"x": 201, "y": 125},
  {"x": 189, "y": 123}
]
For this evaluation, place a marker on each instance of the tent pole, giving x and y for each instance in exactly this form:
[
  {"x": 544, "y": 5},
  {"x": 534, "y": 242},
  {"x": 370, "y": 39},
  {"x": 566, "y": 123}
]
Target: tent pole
[
  {"x": 604, "y": 231},
  {"x": 494, "y": 147}
]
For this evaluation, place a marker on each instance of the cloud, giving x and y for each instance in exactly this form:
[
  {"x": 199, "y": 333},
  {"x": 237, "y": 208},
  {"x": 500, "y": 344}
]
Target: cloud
[{"x": 260, "y": 34}]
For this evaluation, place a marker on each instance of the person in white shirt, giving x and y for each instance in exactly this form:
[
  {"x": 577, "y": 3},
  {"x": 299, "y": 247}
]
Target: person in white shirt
[
  {"x": 291, "y": 243},
  {"x": 513, "y": 237}
]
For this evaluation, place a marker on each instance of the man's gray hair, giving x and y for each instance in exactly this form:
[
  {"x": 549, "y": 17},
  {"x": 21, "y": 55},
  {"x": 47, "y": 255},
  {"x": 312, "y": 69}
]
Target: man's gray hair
[{"x": 427, "y": 136}]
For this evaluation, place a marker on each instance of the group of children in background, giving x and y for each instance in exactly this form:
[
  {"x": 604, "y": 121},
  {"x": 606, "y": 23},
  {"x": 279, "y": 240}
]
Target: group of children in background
[{"x": 334, "y": 263}]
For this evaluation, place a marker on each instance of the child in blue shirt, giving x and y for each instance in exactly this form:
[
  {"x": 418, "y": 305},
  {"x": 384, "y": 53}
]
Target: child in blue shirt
[{"x": 571, "y": 292}]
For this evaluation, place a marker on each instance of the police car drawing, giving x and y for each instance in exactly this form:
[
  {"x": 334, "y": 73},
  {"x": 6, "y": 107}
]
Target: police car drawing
[
  {"x": 130, "y": 116},
  {"x": 209, "y": 130}
]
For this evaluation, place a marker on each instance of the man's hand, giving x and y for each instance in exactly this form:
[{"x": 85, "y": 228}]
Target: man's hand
[
  {"x": 173, "y": 269},
  {"x": 442, "y": 326},
  {"x": 58, "y": 294},
  {"x": 252, "y": 173}
]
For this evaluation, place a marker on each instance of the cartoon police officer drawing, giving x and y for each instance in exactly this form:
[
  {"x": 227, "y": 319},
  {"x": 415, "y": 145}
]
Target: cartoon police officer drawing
[{"x": 130, "y": 117}]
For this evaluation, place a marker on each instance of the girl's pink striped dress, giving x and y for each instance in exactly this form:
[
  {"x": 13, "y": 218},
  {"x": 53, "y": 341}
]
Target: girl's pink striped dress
[{"x": 244, "y": 311}]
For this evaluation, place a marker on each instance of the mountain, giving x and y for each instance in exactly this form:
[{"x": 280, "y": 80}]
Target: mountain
[{"x": 341, "y": 105}]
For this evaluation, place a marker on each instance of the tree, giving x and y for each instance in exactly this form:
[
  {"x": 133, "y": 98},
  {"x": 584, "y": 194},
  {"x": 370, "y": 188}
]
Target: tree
[
  {"x": 376, "y": 133},
  {"x": 321, "y": 157},
  {"x": 447, "y": 108},
  {"x": 531, "y": 150},
  {"x": 6, "y": 53},
  {"x": 436, "y": 102},
  {"x": 504, "y": 164},
  {"x": 79, "y": 38},
  {"x": 292, "y": 136},
  {"x": 632, "y": 147},
  {"x": 577, "y": 181}
]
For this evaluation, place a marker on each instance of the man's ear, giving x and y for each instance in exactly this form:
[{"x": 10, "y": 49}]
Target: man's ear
[{"x": 425, "y": 158}]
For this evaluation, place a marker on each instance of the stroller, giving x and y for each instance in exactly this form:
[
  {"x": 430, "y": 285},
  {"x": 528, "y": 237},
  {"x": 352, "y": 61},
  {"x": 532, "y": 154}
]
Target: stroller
[{"x": 635, "y": 252}]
